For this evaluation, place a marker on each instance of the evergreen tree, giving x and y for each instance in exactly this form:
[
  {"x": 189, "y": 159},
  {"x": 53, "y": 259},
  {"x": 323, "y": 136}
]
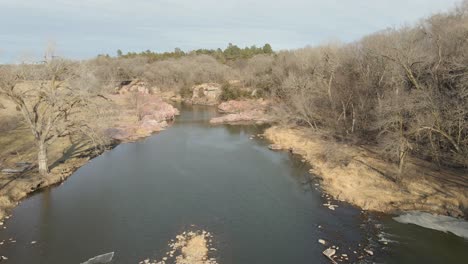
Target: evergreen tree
[{"x": 267, "y": 49}]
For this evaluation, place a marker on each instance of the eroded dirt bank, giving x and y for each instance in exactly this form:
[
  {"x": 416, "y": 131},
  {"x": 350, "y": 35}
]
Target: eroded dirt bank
[{"x": 357, "y": 176}]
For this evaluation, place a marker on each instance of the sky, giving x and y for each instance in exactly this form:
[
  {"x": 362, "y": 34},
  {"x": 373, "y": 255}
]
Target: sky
[{"x": 81, "y": 29}]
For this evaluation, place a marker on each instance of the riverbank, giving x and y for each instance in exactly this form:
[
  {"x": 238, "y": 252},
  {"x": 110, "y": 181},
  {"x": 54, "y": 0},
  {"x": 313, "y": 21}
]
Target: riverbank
[
  {"x": 358, "y": 176},
  {"x": 174, "y": 182},
  {"x": 68, "y": 154}
]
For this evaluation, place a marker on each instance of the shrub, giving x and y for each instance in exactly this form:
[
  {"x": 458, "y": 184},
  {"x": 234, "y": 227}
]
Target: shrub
[
  {"x": 228, "y": 92},
  {"x": 185, "y": 91}
]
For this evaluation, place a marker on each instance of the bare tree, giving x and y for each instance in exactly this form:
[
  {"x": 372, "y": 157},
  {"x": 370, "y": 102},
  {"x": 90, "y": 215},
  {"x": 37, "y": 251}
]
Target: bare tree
[
  {"x": 137, "y": 101},
  {"x": 45, "y": 99}
]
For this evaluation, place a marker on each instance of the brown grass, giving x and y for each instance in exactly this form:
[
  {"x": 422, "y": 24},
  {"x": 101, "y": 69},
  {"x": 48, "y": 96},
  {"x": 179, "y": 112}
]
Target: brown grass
[
  {"x": 360, "y": 177},
  {"x": 17, "y": 145}
]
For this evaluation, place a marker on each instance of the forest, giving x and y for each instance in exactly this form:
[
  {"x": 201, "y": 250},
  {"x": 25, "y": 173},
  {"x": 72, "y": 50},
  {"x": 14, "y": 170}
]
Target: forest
[{"x": 404, "y": 90}]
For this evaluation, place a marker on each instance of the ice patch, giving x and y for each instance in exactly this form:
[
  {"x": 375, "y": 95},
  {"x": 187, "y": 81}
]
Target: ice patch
[
  {"x": 437, "y": 222},
  {"x": 101, "y": 259}
]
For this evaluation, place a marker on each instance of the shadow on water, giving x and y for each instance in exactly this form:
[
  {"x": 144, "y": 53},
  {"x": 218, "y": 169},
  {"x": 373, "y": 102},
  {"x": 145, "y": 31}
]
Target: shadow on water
[
  {"x": 409, "y": 243},
  {"x": 261, "y": 206}
]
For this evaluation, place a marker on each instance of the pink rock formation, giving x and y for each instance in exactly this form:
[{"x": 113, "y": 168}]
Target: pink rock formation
[
  {"x": 154, "y": 116},
  {"x": 236, "y": 106},
  {"x": 245, "y": 111},
  {"x": 206, "y": 94}
]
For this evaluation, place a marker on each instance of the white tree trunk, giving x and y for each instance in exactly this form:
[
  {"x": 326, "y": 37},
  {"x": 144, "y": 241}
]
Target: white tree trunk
[{"x": 42, "y": 159}]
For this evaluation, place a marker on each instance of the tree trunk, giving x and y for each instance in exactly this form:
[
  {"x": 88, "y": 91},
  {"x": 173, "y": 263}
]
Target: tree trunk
[
  {"x": 401, "y": 163},
  {"x": 42, "y": 158},
  {"x": 329, "y": 90},
  {"x": 402, "y": 153}
]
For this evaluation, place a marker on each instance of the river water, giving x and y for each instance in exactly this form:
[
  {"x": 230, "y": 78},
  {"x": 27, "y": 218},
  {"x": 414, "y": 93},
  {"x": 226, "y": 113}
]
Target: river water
[{"x": 260, "y": 206}]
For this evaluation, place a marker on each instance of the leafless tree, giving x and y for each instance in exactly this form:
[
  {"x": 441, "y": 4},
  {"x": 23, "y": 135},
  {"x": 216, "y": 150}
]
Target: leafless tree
[
  {"x": 404, "y": 89},
  {"x": 47, "y": 101},
  {"x": 137, "y": 102}
]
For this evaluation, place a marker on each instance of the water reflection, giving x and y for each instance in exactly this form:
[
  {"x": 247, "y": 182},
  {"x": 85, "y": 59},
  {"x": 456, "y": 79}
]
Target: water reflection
[{"x": 258, "y": 204}]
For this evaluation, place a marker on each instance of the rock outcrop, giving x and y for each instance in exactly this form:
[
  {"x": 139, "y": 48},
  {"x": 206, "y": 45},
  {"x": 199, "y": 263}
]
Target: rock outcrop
[
  {"x": 154, "y": 117},
  {"x": 136, "y": 86},
  {"x": 206, "y": 94},
  {"x": 243, "y": 111}
]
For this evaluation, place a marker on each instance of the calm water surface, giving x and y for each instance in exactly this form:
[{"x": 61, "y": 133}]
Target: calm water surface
[{"x": 260, "y": 205}]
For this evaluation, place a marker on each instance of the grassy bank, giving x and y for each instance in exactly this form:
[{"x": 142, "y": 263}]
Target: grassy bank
[{"x": 356, "y": 175}]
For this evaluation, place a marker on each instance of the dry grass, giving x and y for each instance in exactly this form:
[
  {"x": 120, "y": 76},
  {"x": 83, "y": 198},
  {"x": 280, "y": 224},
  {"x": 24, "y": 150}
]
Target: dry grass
[
  {"x": 367, "y": 181},
  {"x": 65, "y": 154},
  {"x": 17, "y": 145}
]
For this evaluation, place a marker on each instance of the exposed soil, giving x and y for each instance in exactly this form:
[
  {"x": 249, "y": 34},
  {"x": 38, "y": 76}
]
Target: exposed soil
[{"x": 358, "y": 176}]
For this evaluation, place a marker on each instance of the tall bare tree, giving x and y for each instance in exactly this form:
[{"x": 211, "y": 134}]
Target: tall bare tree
[{"x": 45, "y": 99}]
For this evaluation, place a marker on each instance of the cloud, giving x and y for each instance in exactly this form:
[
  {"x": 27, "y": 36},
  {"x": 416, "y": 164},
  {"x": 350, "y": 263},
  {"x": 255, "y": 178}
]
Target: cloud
[{"x": 87, "y": 27}]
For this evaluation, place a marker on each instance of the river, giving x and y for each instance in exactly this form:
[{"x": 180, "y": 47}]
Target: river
[{"x": 261, "y": 206}]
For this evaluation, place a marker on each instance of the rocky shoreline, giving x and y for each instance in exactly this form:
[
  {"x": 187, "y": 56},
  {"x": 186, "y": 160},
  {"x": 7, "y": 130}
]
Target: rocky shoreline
[{"x": 357, "y": 176}]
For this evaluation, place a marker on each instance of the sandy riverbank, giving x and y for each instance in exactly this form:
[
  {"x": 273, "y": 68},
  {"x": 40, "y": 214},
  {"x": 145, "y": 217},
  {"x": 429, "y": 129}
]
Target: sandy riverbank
[{"x": 358, "y": 176}]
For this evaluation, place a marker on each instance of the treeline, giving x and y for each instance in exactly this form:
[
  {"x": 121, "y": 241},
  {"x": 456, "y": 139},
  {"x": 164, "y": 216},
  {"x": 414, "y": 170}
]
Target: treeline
[
  {"x": 231, "y": 52},
  {"x": 403, "y": 90},
  {"x": 172, "y": 74}
]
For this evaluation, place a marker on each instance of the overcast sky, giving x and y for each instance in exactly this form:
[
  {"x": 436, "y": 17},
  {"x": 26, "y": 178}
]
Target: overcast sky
[{"x": 85, "y": 28}]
